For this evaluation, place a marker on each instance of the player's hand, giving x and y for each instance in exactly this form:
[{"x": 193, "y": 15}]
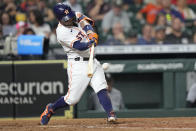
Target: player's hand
[
  {"x": 91, "y": 42},
  {"x": 93, "y": 36}
]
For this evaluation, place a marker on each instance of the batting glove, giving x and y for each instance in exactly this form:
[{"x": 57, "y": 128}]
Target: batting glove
[
  {"x": 93, "y": 36},
  {"x": 91, "y": 42}
]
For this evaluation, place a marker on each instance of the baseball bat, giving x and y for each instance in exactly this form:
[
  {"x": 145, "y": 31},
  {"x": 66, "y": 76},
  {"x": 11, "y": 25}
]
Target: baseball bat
[{"x": 90, "y": 62}]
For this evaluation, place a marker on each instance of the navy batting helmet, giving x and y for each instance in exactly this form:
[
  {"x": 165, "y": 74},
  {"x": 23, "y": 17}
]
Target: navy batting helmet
[{"x": 63, "y": 12}]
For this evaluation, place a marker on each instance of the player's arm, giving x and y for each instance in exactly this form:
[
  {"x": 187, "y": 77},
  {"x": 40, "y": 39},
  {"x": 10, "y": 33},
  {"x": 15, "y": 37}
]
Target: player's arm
[
  {"x": 76, "y": 44},
  {"x": 90, "y": 31},
  {"x": 87, "y": 25},
  {"x": 82, "y": 45},
  {"x": 72, "y": 41}
]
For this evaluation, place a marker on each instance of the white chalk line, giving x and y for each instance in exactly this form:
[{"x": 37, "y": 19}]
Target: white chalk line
[{"x": 120, "y": 127}]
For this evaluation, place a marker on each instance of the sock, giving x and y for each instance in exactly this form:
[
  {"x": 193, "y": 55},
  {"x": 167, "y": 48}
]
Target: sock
[
  {"x": 105, "y": 101},
  {"x": 60, "y": 103}
]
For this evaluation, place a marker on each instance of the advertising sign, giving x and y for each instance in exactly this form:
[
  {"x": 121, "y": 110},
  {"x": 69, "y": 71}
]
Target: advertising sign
[
  {"x": 30, "y": 45},
  {"x": 6, "y": 110},
  {"x": 32, "y": 87}
]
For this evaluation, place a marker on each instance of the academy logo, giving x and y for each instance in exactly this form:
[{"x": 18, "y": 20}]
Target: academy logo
[
  {"x": 160, "y": 66},
  {"x": 115, "y": 68}
]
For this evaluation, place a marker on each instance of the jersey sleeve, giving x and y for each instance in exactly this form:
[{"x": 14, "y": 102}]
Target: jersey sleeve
[{"x": 80, "y": 17}]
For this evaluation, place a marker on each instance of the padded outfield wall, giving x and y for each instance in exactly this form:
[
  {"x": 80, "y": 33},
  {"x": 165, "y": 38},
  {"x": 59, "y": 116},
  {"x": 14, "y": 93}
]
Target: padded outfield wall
[{"x": 150, "y": 88}]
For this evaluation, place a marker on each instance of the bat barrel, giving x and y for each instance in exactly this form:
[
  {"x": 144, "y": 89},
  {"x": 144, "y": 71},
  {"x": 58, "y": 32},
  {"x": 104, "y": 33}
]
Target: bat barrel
[{"x": 90, "y": 62}]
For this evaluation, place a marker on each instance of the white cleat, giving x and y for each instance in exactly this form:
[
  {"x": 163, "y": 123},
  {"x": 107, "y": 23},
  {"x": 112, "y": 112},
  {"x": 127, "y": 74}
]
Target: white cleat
[{"x": 112, "y": 118}]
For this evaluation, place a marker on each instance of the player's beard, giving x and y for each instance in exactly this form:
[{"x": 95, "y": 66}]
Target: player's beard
[{"x": 71, "y": 22}]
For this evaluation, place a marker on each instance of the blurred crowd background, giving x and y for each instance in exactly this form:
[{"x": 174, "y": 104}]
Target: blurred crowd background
[{"x": 118, "y": 22}]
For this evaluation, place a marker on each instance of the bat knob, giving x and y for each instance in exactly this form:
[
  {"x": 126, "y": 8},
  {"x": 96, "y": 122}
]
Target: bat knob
[{"x": 90, "y": 75}]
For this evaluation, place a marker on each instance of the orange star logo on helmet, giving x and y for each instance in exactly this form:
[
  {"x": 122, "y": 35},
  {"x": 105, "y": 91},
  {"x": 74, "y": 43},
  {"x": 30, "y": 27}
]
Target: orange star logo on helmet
[{"x": 66, "y": 12}]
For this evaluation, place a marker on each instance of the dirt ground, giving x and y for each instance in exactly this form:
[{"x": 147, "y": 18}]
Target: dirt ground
[{"x": 124, "y": 124}]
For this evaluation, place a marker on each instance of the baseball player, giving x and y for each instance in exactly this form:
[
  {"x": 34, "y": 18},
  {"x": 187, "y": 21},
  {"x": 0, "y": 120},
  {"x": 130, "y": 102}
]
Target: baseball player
[{"x": 76, "y": 35}]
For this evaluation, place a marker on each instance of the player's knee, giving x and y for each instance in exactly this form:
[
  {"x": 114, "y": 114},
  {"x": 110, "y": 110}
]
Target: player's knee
[{"x": 72, "y": 101}]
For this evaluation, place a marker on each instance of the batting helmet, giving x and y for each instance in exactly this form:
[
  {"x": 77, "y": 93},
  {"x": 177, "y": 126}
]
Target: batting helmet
[{"x": 63, "y": 12}]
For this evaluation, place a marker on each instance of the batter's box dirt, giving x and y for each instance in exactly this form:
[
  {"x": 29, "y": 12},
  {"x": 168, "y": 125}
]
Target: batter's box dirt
[{"x": 124, "y": 124}]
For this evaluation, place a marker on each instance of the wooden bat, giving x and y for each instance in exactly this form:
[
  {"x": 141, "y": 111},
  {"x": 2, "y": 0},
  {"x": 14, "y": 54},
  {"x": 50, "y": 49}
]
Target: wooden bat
[{"x": 90, "y": 61}]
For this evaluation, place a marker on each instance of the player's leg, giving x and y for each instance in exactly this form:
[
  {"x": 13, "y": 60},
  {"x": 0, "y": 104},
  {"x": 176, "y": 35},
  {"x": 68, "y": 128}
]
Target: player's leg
[
  {"x": 99, "y": 85},
  {"x": 78, "y": 82},
  {"x": 50, "y": 110},
  {"x": 60, "y": 103}
]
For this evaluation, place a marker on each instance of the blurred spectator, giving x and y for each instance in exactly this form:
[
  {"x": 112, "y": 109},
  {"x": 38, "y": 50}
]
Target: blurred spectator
[
  {"x": 169, "y": 12},
  {"x": 132, "y": 6},
  {"x": 37, "y": 24},
  {"x": 161, "y": 21},
  {"x": 138, "y": 4},
  {"x": 97, "y": 9},
  {"x": 10, "y": 47},
  {"x": 74, "y": 5},
  {"x": 118, "y": 36},
  {"x": 127, "y": 4},
  {"x": 160, "y": 35},
  {"x": 53, "y": 39},
  {"x": 147, "y": 37},
  {"x": 28, "y": 5},
  {"x": 177, "y": 35},
  {"x": 10, "y": 7},
  {"x": 187, "y": 12},
  {"x": 150, "y": 11},
  {"x": 115, "y": 96},
  {"x": 40, "y": 28},
  {"x": 191, "y": 1},
  {"x": 7, "y": 26},
  {"x": 21, "y": 17},
  {"x": 131, "y": 38},
  {"x": 149, "y": 1},
  {"x": 21, "y": 26},
  {"x": 188, "y": 1},
  {"x": 46, "y": 12},
  {"x": 116, "y": 14},
  {"x": 28, "y": 31},
  {"x": 52, "y": 2}
]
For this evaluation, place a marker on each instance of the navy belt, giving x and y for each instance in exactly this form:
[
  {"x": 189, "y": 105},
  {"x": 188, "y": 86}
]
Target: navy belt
[{"x": 80, "y": 59}]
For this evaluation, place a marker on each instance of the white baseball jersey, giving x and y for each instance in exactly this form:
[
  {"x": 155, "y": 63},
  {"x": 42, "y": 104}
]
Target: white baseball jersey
[
  {"x": 66, "y": 36},
  {"x": 77, "y": 70}
]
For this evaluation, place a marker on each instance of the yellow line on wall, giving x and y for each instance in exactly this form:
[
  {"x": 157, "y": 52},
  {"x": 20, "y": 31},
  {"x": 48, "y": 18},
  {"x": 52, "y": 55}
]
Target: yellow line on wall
[
  {"x": 5, "y": 62},
  {"x": 35, "y": 62}
]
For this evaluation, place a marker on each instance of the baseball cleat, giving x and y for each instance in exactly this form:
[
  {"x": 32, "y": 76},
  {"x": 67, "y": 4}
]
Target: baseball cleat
[
  {"x": 47, "y": 114},
  {"x": 112, "y": 118}
]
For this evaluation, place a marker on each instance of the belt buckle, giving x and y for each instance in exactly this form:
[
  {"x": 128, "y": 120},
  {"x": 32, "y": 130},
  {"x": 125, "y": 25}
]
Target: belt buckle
[
  {"x": 85, "y": 59},
  {"x": 77, "y": 59}
]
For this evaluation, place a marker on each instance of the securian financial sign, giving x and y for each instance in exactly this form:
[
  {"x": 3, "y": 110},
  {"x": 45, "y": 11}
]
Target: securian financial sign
[{"x": 27, "y": 92}]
